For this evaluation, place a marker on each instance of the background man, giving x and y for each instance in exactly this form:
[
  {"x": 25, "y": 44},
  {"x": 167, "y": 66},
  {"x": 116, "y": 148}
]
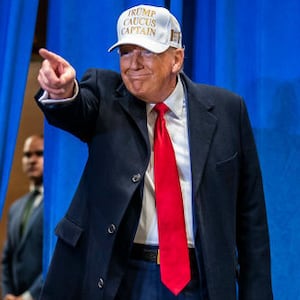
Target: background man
[{"x": 22, "y": 253}]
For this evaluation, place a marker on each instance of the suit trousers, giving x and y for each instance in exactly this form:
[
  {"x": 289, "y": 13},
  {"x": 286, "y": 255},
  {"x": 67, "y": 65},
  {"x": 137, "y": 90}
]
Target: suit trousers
[{"x": 142, "y": 282}]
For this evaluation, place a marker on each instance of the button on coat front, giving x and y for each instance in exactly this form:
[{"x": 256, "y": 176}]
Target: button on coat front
[{"x": 136, "y": 178}]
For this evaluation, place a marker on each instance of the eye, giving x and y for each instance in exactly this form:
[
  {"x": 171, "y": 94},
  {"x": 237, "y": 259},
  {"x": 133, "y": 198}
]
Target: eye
[
  {"x": 146, "y": 53},
  {"x": 27, "y": 154},
  {"x": 39, "y": 153},
  {"x": 124, "y": 52}
]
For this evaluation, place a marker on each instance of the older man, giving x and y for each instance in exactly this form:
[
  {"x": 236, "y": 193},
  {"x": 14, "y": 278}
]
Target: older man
[
  {"x": 23, "y": 250},
  {"x": 171, "y": 204}
]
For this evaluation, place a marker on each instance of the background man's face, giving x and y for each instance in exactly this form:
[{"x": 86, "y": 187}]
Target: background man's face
[{"x": 33, "y": 159}]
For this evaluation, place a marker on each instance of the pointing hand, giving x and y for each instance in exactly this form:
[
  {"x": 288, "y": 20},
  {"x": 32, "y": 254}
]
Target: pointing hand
[{"x": 56, "y": 75}]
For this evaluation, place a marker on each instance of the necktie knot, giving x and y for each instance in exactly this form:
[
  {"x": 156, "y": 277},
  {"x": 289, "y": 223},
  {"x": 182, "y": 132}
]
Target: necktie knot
[
  {"x": 161, "y": 108},
  {"x": 35, "y": 193}
]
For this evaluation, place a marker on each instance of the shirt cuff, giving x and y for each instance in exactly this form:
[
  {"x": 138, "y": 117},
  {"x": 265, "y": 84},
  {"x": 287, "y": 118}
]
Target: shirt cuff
[
  {"x": 26, "y": 296},
  {"x": 44, "y": 99}
]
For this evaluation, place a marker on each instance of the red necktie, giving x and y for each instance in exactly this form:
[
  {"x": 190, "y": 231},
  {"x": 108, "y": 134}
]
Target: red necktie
[{"x": 174, "y": 256}]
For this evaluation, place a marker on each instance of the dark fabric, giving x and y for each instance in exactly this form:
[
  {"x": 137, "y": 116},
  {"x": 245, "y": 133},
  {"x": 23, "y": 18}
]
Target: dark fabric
[
  {"x": 142, "y": 282},
  {"x": 230, "y": 228}
]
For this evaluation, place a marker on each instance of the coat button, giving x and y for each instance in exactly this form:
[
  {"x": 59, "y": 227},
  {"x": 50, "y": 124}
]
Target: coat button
[
  {"x": 136, "y": 178},
  {"x": 111, "y": 228},
  {"x": 100, "y": 283}
]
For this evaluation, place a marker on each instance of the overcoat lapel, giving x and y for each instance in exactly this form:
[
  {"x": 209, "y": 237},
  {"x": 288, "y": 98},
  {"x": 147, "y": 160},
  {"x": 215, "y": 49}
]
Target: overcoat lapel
[
  {"x": 32, "y": 221},
  {"x": 202, "y": 125},
  {"x": 136, "y": 110},
  {"x": 17, "y": 218}
]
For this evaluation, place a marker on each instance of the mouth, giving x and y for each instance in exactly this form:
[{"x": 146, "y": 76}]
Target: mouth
[
  {"x": 31, "y": 170},
  {"x": 134, "y": 75}
]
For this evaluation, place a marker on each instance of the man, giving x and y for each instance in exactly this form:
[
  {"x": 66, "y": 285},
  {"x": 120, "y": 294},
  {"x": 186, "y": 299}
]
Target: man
[
  {"x": 112, "y": 242},
  {"x": 22, "y": 253}
]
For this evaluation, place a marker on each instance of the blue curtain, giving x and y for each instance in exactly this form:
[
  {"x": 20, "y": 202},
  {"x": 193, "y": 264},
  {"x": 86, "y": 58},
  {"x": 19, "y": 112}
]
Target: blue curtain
[
  {"x": 254, "y": 49},
  {"x": 251, "y": 48},
  {"x": 17, "y": 24}
]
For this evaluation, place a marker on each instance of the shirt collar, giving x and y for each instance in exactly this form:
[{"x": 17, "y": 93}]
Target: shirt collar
[
  {"x": 175, "y": 101},
  {"x": 39, "y": 188}
]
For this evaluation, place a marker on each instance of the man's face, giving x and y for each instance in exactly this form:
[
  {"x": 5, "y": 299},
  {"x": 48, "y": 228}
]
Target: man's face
[
  {"x": 33, "y": 159},
  {"x": 150, "y": 77}
]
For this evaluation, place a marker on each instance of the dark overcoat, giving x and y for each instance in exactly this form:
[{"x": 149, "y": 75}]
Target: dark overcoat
[{"x": 96, "y": 234}]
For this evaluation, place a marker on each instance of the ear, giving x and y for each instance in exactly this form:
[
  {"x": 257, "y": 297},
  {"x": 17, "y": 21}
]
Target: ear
[{"x": 178, "y": 60}]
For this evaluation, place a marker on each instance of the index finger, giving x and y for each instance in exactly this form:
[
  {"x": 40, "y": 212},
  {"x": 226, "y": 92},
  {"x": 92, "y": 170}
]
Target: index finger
[{"x": 52, "y": 57}]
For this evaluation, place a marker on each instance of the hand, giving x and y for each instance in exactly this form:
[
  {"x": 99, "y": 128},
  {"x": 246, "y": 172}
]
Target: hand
[{"x": 56, "y": 76}]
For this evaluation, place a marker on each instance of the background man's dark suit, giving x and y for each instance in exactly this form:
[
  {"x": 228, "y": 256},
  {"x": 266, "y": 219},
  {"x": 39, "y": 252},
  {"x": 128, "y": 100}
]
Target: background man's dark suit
[
  {"x": 95, "y": 237},
  {"x": 22, "y": 255}
]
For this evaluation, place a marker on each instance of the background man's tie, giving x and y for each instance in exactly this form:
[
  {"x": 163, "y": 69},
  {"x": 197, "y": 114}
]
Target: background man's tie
[
  {"x": 27, "y": 210},
  {"x": 174, "y": 255}
]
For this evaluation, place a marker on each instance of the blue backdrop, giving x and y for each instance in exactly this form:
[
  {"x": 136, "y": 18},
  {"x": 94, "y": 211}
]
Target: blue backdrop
[
  {"x": 251, "y": 48},
  {"x": 17, "y": 22}
]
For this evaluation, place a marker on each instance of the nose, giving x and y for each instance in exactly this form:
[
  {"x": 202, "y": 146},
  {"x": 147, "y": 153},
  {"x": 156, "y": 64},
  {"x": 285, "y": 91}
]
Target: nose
[
  {"x": 136, "y": 59},
  {"x": 32, "y": 159}
]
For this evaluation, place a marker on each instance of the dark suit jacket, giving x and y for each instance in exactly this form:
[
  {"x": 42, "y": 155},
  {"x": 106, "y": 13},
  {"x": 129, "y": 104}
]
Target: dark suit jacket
[
  {"x": 95, "y": 236},
  {"x": 22, "y": 255}
]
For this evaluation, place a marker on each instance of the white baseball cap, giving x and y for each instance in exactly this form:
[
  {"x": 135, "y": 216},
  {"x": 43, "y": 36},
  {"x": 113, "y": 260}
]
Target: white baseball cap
[{"x": 151, "y": 27}]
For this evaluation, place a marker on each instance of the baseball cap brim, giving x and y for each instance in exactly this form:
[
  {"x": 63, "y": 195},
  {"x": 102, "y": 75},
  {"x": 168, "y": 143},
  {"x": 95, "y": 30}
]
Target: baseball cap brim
[{"x": 145, "y": 43}]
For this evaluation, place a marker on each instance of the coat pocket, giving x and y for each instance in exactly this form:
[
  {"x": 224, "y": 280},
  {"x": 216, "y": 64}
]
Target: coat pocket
[
  {"x": 228, "y": 163},
  {"x": 68, "y": 231},
  {"x": 227, "y": 175}
]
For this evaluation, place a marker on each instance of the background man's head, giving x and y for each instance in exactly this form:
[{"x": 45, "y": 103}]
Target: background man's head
[{"x": 33, "y": 159}]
